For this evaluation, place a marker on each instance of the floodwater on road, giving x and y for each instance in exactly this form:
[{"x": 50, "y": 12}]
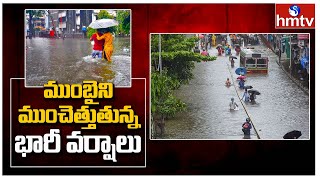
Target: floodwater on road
[
  {"x": 281, "y": 107},
  {"x": 70, "y": 61}
]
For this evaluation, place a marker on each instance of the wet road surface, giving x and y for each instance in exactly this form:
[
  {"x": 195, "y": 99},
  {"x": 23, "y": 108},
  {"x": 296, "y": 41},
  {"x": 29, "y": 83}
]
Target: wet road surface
[
  {"x": 281, "y": 107},
  {"x": 69, "y": 61}
]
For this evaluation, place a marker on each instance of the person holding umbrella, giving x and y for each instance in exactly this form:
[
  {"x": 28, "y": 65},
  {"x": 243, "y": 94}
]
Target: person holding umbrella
[
  {"x": 231, "y": 58},
  {"x": 108, "y": 44},
  {"x": 253, "y": 94},
  {"x": 107, "y": 36}
]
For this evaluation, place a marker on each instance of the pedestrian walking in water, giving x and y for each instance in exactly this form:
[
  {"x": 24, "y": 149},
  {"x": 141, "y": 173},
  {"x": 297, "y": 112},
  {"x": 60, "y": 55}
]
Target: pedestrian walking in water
[
  {"x": 210, "y": 40},
  {"x": 204, "y": 53},
  {"x": 241, "y": 84},
  {"x": 214, "y": 40},
  {"x": 246, "y": 127},
  {"x": 98, "y": 45},
  {"x": 206, "y": 41},
  {"x": 108, "y": 44},
  {"x": 252, "y": 98},
  {"x": 233, "y": 105},
  {"x": 246, "y": 96},
  {"x": 228, "y": 83}
]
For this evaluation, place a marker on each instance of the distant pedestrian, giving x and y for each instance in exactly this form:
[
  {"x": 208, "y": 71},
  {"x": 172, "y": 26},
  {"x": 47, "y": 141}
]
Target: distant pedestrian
[
  {"x": 204, "y": 53},
  {"x": 196, "y": 50},
  {"x": 206, "y": 41},
  {"x": 241, "y": 84},
  {"x": 246, "y": 96},
  {"x": 233, "y": 105},
  {"x": 246, "y": 127},
  {"x": 214, "y": 40},
  {"x": 210, "y": 40},
  {"x": 252, "y": 97},
  {"x": 228, "y": 83}
]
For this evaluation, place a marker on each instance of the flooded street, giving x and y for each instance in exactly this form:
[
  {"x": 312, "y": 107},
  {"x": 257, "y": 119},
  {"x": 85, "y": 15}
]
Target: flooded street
[
  {"x": 70, "y": 61},
  {"x": 281, "y": 107}
]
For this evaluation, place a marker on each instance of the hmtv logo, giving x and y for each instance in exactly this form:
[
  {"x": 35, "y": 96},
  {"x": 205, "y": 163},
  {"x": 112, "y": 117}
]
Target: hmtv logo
[{"x": 297, "y": 16}]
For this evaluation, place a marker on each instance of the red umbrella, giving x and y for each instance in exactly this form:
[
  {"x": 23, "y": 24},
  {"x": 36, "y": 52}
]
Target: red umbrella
[{"x": 201, "y": 36}]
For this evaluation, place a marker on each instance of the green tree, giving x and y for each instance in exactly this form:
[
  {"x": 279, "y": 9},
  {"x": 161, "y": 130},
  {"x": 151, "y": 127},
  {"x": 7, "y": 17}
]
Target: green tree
[
  {"x": 123, "y": 17},
  {"x": 163, "y": 102},
  {"x": 178, "y": 61},
  {"x": 103, "y": 14},
  {"x": 32, "y": 14},
  {"x": 177, "y": 56}
]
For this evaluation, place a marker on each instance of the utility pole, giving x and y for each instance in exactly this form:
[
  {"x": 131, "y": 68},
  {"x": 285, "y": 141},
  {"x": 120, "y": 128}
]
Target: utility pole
[
  {"x": 160, "y": 61},
  {"x": 290, "y": 54}
]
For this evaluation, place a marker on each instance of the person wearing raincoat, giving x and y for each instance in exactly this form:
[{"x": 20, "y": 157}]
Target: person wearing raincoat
[
  {"x": 108, "y": 44},
  {"x": 214, "y": 40}
]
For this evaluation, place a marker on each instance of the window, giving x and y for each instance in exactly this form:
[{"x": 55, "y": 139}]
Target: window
[
  {"x": 261, "y": 61},
  {"x": 250, "y": 61}
]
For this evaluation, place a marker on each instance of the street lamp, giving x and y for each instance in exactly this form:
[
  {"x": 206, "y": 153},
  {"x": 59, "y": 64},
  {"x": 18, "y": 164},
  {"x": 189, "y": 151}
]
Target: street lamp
[
  {"x": 290, "y": 39},
  {"x": 73, "y": 32}
]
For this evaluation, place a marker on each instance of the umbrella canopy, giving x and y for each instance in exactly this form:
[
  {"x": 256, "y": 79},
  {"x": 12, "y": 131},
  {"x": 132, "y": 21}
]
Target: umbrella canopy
[
  {"x": 233, "y": 57},
  {"x": 103, "y": 23},
  {"x": 254, "y": 92},
  {"x": 248, "y": 87},
  {"x": 241, "y": 70},
  {"x": 219, "y": 45},
  {"x": 292, "y": 135},
  {"x": 201, "y": 36}
]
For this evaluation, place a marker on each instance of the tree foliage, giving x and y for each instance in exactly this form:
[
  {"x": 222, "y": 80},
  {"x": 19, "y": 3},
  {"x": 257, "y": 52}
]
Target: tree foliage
[
  {"x": 103, "y": 14},
  {"x": 178, "y": 60},
  {"x": 32, "y": 14},
  {"x": 163, "y": 102},
  {"x": 177, "y": 55},
  {"x": 123, "y": 17}
]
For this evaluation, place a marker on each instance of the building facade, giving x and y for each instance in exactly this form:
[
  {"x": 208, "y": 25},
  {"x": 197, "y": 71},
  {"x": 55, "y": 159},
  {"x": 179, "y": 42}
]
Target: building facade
[{"x": 69, "y": 21}]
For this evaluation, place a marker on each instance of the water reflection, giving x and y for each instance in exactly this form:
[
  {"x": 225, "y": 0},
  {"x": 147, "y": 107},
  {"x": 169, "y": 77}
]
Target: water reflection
[
  {"x": 281, "y": 107},
  {"x": 69, "y": 61}
]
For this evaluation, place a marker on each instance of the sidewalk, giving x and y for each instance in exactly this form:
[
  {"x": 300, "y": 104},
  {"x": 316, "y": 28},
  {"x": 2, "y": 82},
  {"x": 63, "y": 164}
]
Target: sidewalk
[{"x": 284, "y": 64}]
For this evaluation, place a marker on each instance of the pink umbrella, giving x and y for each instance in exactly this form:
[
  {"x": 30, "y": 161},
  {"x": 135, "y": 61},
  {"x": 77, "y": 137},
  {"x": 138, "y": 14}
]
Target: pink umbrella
[
  {"x": 241, "y": 77},
  {"x": 201, "y": 36}
]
